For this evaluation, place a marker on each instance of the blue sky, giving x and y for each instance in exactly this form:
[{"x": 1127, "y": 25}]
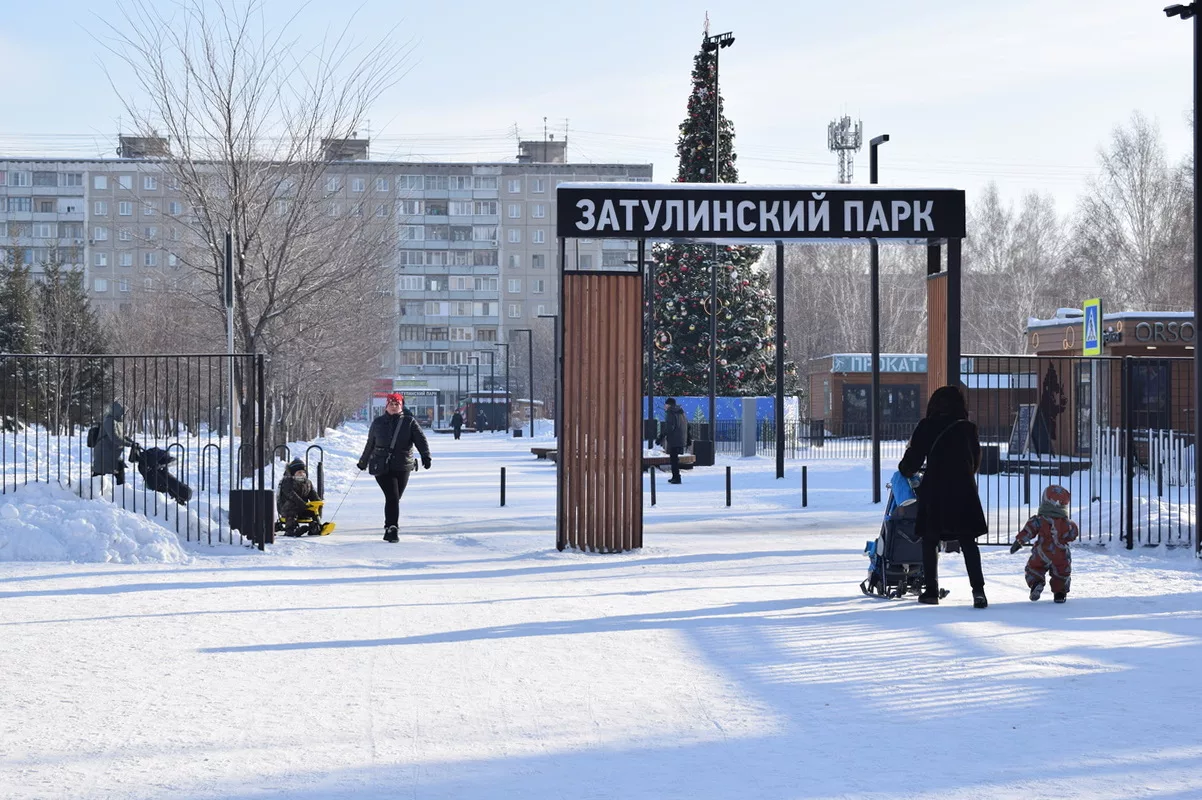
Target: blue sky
[{"x": 1022, "y": 92}]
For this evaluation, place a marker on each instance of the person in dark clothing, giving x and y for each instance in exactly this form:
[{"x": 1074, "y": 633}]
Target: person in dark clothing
[
  {"x": 108, "y": 454},
  {"x": 294, "y": 495},
  {"x": 481, "y": 420},
  {"x": 457, "y": 423},
  {"x": 949, "y": 508},
  {"x": 389, "y": 454},
  {"x": 675, "y": 436}
]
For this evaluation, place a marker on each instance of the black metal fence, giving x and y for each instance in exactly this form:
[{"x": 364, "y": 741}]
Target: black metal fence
[
  {"x": 810, "y": 441},
  {"x": 172, "y": 458},
  {"x": 1119, "y": 433}
]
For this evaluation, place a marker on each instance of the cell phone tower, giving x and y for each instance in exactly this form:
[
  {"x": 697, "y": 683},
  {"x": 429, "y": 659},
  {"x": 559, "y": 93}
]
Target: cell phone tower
[{"x": 845, "y": 137}]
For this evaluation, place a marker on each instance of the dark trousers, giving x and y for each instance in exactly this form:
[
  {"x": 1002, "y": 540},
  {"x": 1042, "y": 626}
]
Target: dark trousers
[
  {"x": 393, "y": 483},
  {"x": 674, "y": 461},
  {"x": 456, "y": 433},
  {"x": 972, "y": 562}
]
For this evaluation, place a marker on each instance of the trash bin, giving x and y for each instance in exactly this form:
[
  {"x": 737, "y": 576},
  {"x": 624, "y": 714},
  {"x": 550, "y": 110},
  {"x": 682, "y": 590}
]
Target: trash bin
[
  {"x": 703, "y": 452},
  {"x": 990, "y": 459},
  {"x": 517, "y": 433},
  {"x": 650, "y": 430},
  {"x": 252, "y": 512},
  {"x": 817, "y": 432}
]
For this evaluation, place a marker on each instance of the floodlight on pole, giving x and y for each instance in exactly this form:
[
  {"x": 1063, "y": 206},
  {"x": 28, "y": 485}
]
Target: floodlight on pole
[
  {"x": 714, "y": 44},
  {"x": 874, "y": 403}
]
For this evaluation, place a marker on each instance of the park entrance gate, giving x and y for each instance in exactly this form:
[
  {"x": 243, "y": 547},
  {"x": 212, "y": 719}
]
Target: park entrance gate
[{"x": 603, "y": 316}]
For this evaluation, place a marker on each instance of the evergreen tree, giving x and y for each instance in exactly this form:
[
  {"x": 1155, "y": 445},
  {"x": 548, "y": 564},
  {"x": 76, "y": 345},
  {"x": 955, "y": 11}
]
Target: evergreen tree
[
  {"x": 19, "y": 385},
  {"x": 746, "y": 329},
  {"x": 68, "y": 326}
]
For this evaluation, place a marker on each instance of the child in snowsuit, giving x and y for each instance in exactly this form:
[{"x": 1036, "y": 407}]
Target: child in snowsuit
[
  {"x": 1049, "y": 531},
  {"x": 295, "y": 492}
]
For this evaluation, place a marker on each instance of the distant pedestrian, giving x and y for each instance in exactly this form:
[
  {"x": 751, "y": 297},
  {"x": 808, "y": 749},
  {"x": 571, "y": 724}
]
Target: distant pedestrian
[
  {"x": 1049, "y": 531},
  {"x": 108, "y": 453},
  {"x": 457, "y": 423},
  {"x": 481, "y": 420},
  {"x": 949, "y": 508},
  {"x": 675, "y": 436},
  {"x": 388, "y": 455}
]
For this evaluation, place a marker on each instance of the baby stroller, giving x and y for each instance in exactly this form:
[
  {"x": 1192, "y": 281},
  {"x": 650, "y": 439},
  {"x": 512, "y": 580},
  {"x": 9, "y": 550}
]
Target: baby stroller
[
  {"x": 309, "y": 522},
  {"x": 895, "y": 557},
  {"x": 152, "y": 466}
]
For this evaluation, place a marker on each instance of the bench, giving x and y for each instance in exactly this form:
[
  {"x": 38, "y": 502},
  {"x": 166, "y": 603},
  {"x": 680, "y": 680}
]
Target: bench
[
  {"x": 548, "y": 453},
  {"x": 452, "y": 430},
  {"x": 686, "y": 461}
]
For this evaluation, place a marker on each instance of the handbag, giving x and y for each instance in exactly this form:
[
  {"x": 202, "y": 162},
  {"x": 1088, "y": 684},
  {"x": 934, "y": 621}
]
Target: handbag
[{"x": 377, "y": 463}]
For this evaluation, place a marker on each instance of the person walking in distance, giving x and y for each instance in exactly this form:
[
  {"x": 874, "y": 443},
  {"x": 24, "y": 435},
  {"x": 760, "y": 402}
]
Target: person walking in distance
[
  {"x": 949, "y": 508},
  {"x": 675, "y": 437},
  {"x": 388, "y": 456},
  {"x": 457, "y": 423}
]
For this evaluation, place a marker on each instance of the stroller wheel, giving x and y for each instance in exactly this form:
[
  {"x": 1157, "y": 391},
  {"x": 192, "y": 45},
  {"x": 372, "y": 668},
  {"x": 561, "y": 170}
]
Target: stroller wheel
[{"x": 944, "y": 593}]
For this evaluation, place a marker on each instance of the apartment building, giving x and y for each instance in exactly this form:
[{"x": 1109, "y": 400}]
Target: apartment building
[{"x": 476, "y": 251}]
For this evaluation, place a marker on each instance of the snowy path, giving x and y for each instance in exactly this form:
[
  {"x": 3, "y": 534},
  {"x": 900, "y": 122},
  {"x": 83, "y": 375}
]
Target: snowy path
[{"x": 732, "y": 657}]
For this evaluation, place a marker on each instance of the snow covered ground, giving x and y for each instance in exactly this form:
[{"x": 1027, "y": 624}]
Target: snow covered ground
[{"x": 734, "y": 656}]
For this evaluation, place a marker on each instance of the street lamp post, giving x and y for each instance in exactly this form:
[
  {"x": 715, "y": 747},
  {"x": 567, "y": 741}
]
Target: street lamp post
[
  {"x": 476, "y": 404},
  {"x": 874, "y": 404},
  {"x": 714, "y": 44},
  {"x": 530, "y": 362},
  {"x": 558, "y": 376},
  {"x": 492, "y": 388},
  {"x": 1186, "y": 12},
  {"x": 506, "y": 346}
]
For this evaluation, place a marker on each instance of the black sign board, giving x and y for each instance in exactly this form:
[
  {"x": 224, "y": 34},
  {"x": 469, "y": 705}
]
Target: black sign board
[
  {"x": 733, "y": 212},
  {"x": 1020, "y": 434}
]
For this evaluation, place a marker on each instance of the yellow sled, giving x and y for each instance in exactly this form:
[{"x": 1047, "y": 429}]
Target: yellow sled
[{"x": 309, "y": 524}]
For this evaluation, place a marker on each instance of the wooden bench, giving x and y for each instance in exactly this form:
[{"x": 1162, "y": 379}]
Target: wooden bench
[
  {"x": 686, "y": 461},
  {"x": 548, "y": 453},
  {"x": 452, "y": 430}
]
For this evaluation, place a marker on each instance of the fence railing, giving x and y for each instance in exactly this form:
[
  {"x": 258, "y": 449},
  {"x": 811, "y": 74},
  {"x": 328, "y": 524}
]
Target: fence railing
[{"x": 164, "y": 450}]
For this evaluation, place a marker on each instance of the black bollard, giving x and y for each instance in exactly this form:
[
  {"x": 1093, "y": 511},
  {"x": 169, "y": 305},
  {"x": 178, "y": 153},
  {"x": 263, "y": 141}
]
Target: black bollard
[
  {"x": 502, "y": 486},
  {"x": 804, "y": 491},
  {"x": 653, "y": 486},
  {"x": 728, "y": 487}
]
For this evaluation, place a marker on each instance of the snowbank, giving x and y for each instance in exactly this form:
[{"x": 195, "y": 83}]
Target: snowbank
[{"x": 43, "y": 522}]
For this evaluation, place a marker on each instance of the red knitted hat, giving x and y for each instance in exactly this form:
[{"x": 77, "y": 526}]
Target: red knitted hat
[{"x": 396, "y": 397}]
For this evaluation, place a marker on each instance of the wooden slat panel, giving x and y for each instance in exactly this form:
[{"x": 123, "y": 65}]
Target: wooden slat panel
[
  {"x": 936, "y": 332},
  {"x": 600, "y": 441}
]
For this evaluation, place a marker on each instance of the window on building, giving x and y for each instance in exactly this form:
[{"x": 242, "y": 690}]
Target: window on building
[
  {"x": 381, "y": 209},
  {"x": 20, "y": 204},
  {"x": 43, "y": 206},
  {"x": 125, "y": 259},
  {"x": 70, "y": 179},
  {"x": 585, "y": 261},
  {"x": 538, "y": 286},
  {"x": 484, "y": 284},
  {"x": 150, "y": 209},
  {"x": 411, "y": 183},
  {"x": 484, "y": 309},
  {"x": 462, "y": 335},
  {"x": 100, "y": 285},
  {"x": 100, "y": 259},
  {"x": 436, "y": 183},
  {"x": 514, "y": 261},
  {"x": 412, "y": 233},
  {"x": 484, "y": 258},
  {"x": 150, "y": 233},
  {"x": 172, "y": 260},
  {"x": 175, "y": 208},
  {"x": 539, "y": 236},
  {"x": 460, "y": 283},
  {"x": 413, "y": 283},
  {"x": 413, "y": 308},
  {"x": 487, "y": 208},
  {"x": 541, "y": 310},
  {"x": 514, "y": 235},
  {"x": 358, "y": 185},
  {"x": 438, "y": 233},
  {"x": 538, "y": 261},
  {"x": 412, "y": 333},
  {"x": 100, "y": 208},
  {"x": 538, "y": 185},
  {"x": 438, "y": 358},
  {"x": 460, "y": 208},
  {"x": 150, "y": 259},
  {"x": 333, "y": 183},
  {"x": 514, "y": 286},
  {"x": 42, "y": 178},
  {"x": 539, "y": 211},
  {"x": 460, "y": 182},
  {"x": 437, "y": 258},
  {"x": 515, "y": 185},
  {"x": 484, "y": 182},
  {"x": 411, "y": 359},
  {"x": 45, "y": 230},
  {"x": 20, "y": 177},
  {"x": 461, "y": 308},
  {"x": 125, "y": 208},
  {"x": 100, "y": 234},
  {"x": 484, "y": 233},
  {"x": 409, "y": 208},
  {"x": 486, "y": 334},
  {"x": 436, "y": 208},
  {"x": 436, "y": 333},
  {"x": 461, "y": 258},
  {"x": 515, "y": 310},
  {"x": 515, "y": 210},
  {"x": 125, "y": 235},
  {"x": 126, "y": 181},
  {"x": 435, "y": 308},
  {"x": 381, "y": 184},
  {"x": 150, "y": 183},
  {"x": 123, "y": 285}
]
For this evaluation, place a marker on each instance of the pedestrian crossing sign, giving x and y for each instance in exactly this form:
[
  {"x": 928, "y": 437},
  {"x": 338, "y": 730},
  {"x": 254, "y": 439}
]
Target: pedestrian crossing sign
[{"x": 1092, "y": 338}]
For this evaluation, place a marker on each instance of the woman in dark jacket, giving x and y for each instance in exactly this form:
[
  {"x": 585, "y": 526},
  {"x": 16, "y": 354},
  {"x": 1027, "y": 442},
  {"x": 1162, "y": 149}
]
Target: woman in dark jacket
[
  {"x": 949, "y": 508},
  {"x": 389, "y": 453}
]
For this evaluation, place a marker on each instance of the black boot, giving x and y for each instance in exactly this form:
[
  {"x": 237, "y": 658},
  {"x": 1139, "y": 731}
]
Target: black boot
[
  {"x": 390, "y": 534},
  {"x": 1060, "y": 597},
  {"x": 978, "y": 599},
  {"x": 930, "y": 597}
]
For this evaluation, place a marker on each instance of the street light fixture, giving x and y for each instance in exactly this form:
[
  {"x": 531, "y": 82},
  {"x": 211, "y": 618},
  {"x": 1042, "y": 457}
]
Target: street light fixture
[
  {"x": 714, "y": 44},
  {"x": 874, "y": 404},
  {"x": 530, "y": 363},
  {"x": 1186, "y": 12},
  {"x": 507, "y": 395},
  {"x": 558, "y": 376},
  {"x": 492, "y": 379}
]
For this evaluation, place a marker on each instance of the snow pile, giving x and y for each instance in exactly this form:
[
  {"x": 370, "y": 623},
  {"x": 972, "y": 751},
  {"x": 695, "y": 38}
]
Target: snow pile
[{"x": 43, "y": 522}]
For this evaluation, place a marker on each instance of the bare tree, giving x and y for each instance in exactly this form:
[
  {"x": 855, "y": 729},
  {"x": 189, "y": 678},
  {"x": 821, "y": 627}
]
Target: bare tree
[
  {"x": 251, "y": 117},
  {"x": 1128, "y": 231}
]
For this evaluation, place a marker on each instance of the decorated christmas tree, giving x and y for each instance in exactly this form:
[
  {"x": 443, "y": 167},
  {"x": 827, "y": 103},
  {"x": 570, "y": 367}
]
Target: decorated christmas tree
[{"x": 746, "y": 325}]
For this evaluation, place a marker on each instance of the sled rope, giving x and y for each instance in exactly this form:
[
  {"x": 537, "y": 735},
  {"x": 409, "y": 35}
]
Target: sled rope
[{"x": 345, "y": 495}]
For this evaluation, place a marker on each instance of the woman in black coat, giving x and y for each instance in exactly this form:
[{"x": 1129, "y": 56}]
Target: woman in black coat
[
  {"x": 949, "y": 508},
  {"x": 389, "y": 453}
]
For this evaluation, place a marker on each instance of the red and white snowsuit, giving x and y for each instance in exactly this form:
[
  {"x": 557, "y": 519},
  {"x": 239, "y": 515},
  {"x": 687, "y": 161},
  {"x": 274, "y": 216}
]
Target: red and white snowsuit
[{"x": 1050, "y": 536}]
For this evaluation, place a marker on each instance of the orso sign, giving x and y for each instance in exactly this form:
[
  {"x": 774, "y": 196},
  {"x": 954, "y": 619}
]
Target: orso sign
[{"x": 1167, "y": 332}]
